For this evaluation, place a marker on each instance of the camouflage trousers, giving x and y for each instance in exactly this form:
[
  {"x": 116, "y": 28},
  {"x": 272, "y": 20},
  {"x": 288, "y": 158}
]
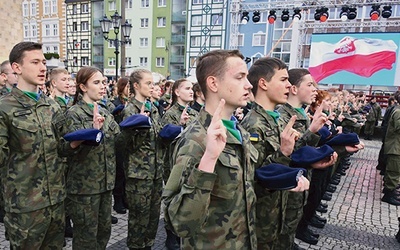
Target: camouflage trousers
[
  {"x": 392, "y": 173},
  {"x": 40, "y": 229},
  {"x": 144, "y": 203},
  {"x": 91, "y": 216},
  {"x": 369, "y": 127}
]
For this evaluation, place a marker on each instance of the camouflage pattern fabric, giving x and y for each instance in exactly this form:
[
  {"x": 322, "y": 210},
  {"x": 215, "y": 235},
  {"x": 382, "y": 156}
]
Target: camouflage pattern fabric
[
  {"x": 392, "y": 150},
  {"x": 143, "y": 177},
  {"x": 271, "y": 204},
  {"x": 3, "y": 91},
  {"x": 212, "y": 210},
  {"x": 39, "y": 229},
  {"x": 91, "y": 215}
]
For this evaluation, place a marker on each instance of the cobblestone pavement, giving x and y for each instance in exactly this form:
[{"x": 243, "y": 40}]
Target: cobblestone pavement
[{"x": 357, "y": 219}]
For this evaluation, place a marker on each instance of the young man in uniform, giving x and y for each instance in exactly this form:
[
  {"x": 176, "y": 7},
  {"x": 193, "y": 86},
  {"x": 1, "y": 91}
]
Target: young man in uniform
[
  {"x": 33, "y": 174},
  {"x": 8, "y": 77}
]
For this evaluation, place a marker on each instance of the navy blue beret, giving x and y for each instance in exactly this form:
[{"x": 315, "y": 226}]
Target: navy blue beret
[
  {"x": 136, "y": 121},
  {"x": 348, "y": 139},
  {"x": 309, "y": 155},
  {"x": 117, "y": 109},
  {"x": 91, "y": 136},
  {"x": 170, "y": 131},
  {"x": 279, "y": 177},
  {"x": 324, "y": 133}
]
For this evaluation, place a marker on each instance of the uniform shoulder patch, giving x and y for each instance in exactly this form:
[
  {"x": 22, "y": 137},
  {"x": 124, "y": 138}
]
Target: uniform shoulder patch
[{"x": 254, "y": 137}]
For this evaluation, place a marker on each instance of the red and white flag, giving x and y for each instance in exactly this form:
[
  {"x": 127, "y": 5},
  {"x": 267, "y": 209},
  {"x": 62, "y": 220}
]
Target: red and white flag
[{"x": 363, "y": 57}]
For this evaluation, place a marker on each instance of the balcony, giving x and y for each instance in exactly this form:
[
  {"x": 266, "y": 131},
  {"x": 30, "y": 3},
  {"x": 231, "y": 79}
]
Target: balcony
[
  {"x": 177, "y": 39},
  {"x": 98, "y": 59},
  {"x": 177, "y": 59},
  {"x": 179, "y": 17},
  {"x": 98, "y": 40}
]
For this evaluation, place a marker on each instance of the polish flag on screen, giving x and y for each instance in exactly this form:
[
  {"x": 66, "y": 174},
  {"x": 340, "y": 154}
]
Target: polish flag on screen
[{"x": 362, "y": 57}]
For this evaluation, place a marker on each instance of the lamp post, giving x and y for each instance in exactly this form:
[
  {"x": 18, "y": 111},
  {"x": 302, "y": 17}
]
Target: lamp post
[{"x": 115, "y": 22}]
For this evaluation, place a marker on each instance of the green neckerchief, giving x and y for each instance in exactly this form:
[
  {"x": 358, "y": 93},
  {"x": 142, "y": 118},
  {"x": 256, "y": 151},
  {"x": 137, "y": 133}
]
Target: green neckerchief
[
  {"x": 301, "y": 111},
  {"x": 91, "y": 106},
  {"x": 62, "y": 99},
  {"x": 8, "y": 90},
  {"x": 273, "y": 114},
  {"x": 156, "y": 103},
  {"x": 147, "y": 105},
  {"x": 32, "y": 95},
  {"x": 230, "y": 125}
]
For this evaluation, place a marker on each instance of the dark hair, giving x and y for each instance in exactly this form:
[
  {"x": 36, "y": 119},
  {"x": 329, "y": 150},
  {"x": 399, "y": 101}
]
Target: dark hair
[
  {"x": 214, "y": 64},
  {"x": 176, "y": 85},
  {"x": 391, "y": 101},
  {"x": 136, "y": 76},
  {"x": 396, "y": 96},
  {"x": 121, "y": 84},
  {"x": 296, "y": 75},
  {"x": 82, "y": 77},
  {"x": 196, "y": 90},
  {"x": 17, "y": 52},
  {"x": 264, "y": 67}
]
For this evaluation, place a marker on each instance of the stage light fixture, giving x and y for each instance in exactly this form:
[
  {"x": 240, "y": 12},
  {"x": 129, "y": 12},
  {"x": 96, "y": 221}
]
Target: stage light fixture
[
  {"x": 272, "y": 16},
  {"x": 387, "y": 11},
  {"x": 256, "y": 16},
  {"x": 296, "y": 14},
  {"x": 324, "y": 14},
  {"x": 344, "y": 13},
  {"x": 317, "y": 15},
  {"x": 285, "y": 15},
  {"x": 375, "y": 12},
  {"x": 245, "y": 17},
  {"x": 352, "y": 13}
]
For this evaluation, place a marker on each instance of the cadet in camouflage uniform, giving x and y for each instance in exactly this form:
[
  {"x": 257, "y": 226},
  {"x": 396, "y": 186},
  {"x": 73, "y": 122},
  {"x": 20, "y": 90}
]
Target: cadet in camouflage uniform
[
  {"x": 178, "y": 114},
  {"x": 32, "y": 172},
  {"x": 143, "y": 171},
  {"x": 91, "y": 169},
  {"x": 373, "y": 116},
  {"x": 274, "y": 144},
  {"x": 8, "y": 78},
  {"x": 59, "y": 79},
  {"x": 209, "y": 198}
]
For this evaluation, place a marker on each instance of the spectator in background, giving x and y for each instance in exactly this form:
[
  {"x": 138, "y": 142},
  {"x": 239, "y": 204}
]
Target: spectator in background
[
  {"x": 373, "y": 115},
  {"x": 198, "y": 97}
]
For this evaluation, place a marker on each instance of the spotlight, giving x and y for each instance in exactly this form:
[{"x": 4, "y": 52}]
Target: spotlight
[
  {"x": 324, "y": 14},
  {"x": 344, "y": 13},
  {"x": 352, "y": 13},
  {"x": 296, "y": 14},
  {"x": 387, "y": 11},
  {"x": 245, "y": 17},
  {"x": 317, "y": 15},
  {"x": 256, "y": 16},
  {"x": 272, "y": 16},
  {"x": 285, "y": 15},
  {"x": 375, "y": 12}
]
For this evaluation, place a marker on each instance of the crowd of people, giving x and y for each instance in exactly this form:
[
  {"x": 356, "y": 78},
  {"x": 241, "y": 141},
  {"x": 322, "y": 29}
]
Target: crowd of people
[{"x": 70, "y": 147}]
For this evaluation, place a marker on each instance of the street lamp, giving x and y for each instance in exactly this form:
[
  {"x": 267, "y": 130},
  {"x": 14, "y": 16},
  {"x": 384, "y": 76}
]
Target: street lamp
[{"x": 126, "y": 28}]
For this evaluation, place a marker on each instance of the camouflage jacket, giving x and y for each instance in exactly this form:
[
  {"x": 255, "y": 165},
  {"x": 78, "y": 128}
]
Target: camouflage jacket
[
  {"x": 143, "y": 146},
  {"x": 4, "y": 91},
  {"x": 91, "y": 169},
  {"x": 212, "y": 210},
  {"x": 271, "y": 205},
  {"x": 392, "y": 138},
  {"x": 173, "y": 115},
  {"x": 64, "y": 106},
  {"x": 32, "y": 173}
]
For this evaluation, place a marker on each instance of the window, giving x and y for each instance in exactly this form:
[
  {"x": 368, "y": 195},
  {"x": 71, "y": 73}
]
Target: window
[
  {"x": 85, "y": 44},
  {"x": 144, "y": 22},
  {"x": 216, "y": 19},
  {"x": 112, "y": 5},
  {"x": 128, "y": 4},
  {"x": 54, "y": 7},
  {"x": 55, "y": 29},
  {"x": 128, "y": 61},
  {"x": 84, "y": 26},
  {"x": 144, "y": 3},
  {"x": 55, "y": 49},
  {"x": 33, "y": 9},
  {"x": 84, "y": 8},
  {"x": 196, "y": 20},
  {"x": 111, "y": 61},
  {"x": 240, "y": 40},
  {"x": 74, "y": 26},
  {"x": 25, "y": 9},
  {"x": 75, "y": 43},
  {"x": 193, "y": 60},
  {"x": 85, "y": 61},
  {"x": 162, "y": 3},
  {"x": 34, "y": 30},
  {"x": 143, "y": 61},
  {"x": 160, "y": 61},
  {"x": 197, "y": 1},
  {"x": 195, "y": 41},
  {"x": 26, "y": 31},
  {"x": 47, "y": 49},
  {"x": 160, "y": 42},
  {"x": 46, "y": 7},
  {"x": 218, "y": 1},
  {"x": 74, "y": 9},
  {"x": 111, "y": 44},
  {"x": 161, "y": 21},
  {"x": 75, "y": 61},
  {"x": 258, "y": 39},
  {"x": 47, "y": 29},
  {"x": 215, "y": 41},
  {"x": 144, "y": 42}
]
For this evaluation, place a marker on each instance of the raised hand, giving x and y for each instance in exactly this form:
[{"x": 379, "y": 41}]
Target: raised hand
[
  {"x": 98, "y": 120},
  {"x": 324, "y": 163},
  {"x": 303, "y": 184},
  {"x": 319, "y": 118},
  {"x": 288, "y": 137},
  {"x": 184, "y": 117}
]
